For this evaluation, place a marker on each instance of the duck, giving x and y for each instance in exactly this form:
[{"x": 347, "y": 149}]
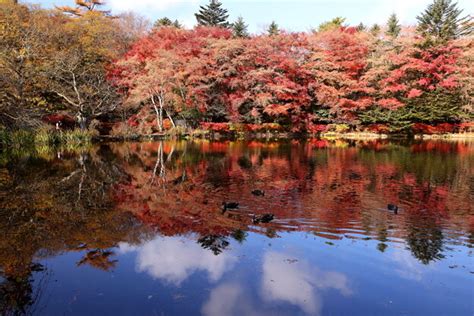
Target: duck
[
  {"x": 265, "y": 218},
  {"x": 229, "y": 206},
  {"x": 258, "y": 192},
  {"x": 393, "y": 208}
]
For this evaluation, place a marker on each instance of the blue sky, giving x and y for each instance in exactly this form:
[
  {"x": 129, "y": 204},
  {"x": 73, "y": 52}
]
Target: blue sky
[{"x": 296, "y": 15}]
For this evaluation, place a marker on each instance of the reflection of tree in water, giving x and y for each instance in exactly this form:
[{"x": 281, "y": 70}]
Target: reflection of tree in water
[
  {"x": 470, "y": 239},
  {"x": 307, "y": 184},
  {"x": 100, "y": 259},
  {"x": 51, "y": 206},
  {"x": 17, "y": 296},
  {"x": 426, "y": 243},
  {"x": 382, "y": 235},
  {"x": 239, "y": 235},
  {"x": 217, "y": 244}
]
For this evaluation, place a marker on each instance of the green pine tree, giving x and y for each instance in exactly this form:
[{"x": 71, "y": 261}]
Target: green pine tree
[
  {"x": 213, "y": 15},
  {"x": 442, "y": 22},
  {"x": 273, "y": 29},
  {"x": 335, "y": 23},
  {"x": 393, "y": 26},
  {"x": 162, "y": 22},
  {"x": 375, "y": 30},
  {"x": 361, "y": 27},
  {"x": 240, "y": 28},
  {"x": 177, "y": 25},
  {"x": 167, "y": 23}
]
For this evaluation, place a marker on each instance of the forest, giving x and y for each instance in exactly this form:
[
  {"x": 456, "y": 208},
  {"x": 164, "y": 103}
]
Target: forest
[{"x": 84, "y": 70}]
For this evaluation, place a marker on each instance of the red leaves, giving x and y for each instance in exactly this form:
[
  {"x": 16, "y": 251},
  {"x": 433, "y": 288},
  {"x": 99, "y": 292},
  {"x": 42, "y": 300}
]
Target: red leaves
[
  {"x": 215, "y": 127},
  {"x": 420, "y": 128},
  {"x": 317, "y": 128},
  {"x": 414, "y": 93},
  {"x": 378, "y": 128},
  {"x": 391, "y": 103},
  {"x": 414, "y": 71},
  {"x": 289, "y": 78}
]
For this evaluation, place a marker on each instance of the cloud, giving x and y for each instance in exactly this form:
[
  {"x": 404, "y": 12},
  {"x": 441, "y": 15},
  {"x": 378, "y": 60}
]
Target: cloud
[
  {"x": 408, "y": 267},
  {"x": 173, "y": 259},
  {"x": 228, "y": 299},
  {"x": 298, "y": 283}
]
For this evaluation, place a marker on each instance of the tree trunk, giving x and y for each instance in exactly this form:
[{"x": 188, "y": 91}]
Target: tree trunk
[
  {"x": 81, "y": 120},
  {"x": 158, "y": 111},
  {"x": 171, "y": 119}
]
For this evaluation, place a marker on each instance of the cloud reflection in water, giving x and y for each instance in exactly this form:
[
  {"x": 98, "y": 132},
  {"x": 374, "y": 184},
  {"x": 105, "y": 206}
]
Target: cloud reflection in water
[
  {"x": 174, "y": 259},
  {"x": 297, "y": 283}
]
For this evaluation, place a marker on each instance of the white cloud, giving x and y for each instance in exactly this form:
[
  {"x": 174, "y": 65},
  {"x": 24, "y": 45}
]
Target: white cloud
[
  {"x": 298, "y": 283},
  {"x": 173, "y": 259},
  {"x": 408, "y": 267},
  {"x": 229, "y": 299}
]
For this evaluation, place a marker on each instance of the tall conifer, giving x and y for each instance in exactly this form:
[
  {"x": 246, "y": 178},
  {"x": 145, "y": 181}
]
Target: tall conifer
[
  {"x": 240, "y": 28},
  {"x": 393, "y": 26},
  {"x": 213, "y": 15},
  {"x": 442, "y": 21}
]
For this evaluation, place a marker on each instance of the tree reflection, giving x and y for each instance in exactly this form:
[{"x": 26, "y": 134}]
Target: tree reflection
[
  {"x": 52, "y": 205},
  {"x": 214, "y": 243},
  {"x": 100, "y": 259},
  {"x": 92, "y": 201},
  {"x": 333, "y": 188},
  {"x": 17, "y": 296},
  {"x": 426, "y": 244}
]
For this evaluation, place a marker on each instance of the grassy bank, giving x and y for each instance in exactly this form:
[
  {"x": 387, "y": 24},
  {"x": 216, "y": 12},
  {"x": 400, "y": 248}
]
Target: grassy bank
[
  {"x": 45, "y": 138},
  {"x": 45, "y": 144}
]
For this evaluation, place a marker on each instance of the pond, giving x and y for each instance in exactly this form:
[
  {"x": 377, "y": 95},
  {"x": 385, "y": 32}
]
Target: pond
[{"x": 321, "y": 228}]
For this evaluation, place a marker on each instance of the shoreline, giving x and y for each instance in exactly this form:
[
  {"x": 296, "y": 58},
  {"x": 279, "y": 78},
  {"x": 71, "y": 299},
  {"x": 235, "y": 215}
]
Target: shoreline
[{"x": 282, "y": 136}]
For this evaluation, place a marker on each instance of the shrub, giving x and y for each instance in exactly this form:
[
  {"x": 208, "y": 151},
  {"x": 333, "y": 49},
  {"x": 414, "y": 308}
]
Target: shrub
[
  {"x": 339, "y": 128},
  {"x": 378, "y": 128},
  {"x": 216, "y": 127}
]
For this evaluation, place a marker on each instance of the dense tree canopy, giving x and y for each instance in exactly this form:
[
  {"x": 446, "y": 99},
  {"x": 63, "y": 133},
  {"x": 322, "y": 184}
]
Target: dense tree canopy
[
  {"x": 92, "y": 65},
  {"x": 299, "y": 81},
  {"x": 58, "y": 60}
]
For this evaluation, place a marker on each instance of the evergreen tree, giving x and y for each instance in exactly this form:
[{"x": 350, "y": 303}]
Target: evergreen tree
[
  {"x": 213, "y": 15},
  {"x": 361, "y": 27},
  {"x": 375, "y": 30},
  {"x": 167, "y": 23},
  {"x": 162, "y": 22},
  {"x": 273, "y": 29},
  {"x": 240, "y": 28},
  {"x": 393, "y": 26},
  {"x": 177, "y": 25},
  {"x": 442, "y": 21},
  {"x": 335, "y": 23}
]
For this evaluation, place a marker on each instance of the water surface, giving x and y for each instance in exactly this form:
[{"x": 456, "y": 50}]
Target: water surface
[{"x": 138, "y": 229}]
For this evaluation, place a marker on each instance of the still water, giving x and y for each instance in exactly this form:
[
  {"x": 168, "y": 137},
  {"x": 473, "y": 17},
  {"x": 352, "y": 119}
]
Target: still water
[{"x": 335, "y": 228}]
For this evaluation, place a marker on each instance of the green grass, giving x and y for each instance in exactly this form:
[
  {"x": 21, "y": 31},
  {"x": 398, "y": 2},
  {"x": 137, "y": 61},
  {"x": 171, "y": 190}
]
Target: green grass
[{"x": 41, "y": 143}]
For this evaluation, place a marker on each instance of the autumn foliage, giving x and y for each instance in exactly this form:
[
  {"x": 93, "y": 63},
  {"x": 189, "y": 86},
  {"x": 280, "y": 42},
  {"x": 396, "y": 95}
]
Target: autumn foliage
[{"x": 300, "y": 81}]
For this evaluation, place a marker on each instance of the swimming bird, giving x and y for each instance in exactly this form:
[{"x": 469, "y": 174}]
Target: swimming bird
[
  {"x": 393, "y": 208},
  {"x": 265, "y": 218},
  {"x": 258, "y": 192},
  {"x": 229, "y": 206}
]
